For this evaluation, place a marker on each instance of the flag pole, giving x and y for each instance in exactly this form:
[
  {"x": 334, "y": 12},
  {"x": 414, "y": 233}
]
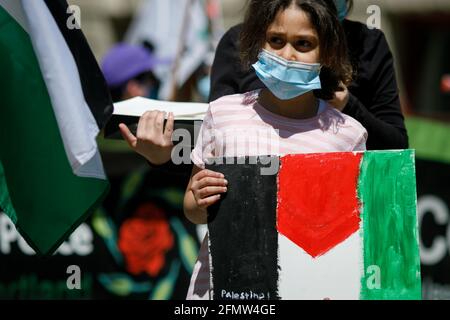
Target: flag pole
[{"x": 180, "y": 49}]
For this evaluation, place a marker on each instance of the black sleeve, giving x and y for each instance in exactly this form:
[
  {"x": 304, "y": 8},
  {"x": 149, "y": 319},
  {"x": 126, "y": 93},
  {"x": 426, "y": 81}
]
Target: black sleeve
[
  {"x": 227, "y": 74},
  {"x": 378, "y": 106},
  {"x": 170, "y": 166},
  {"x": 224, "y": 71},
  {"x": 183, "y": 168}
]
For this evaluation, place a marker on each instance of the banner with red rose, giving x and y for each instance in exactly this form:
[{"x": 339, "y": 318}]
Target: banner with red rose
[{"x": 137, "y": 246}]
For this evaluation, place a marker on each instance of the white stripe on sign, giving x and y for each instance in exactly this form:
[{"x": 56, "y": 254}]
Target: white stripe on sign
[{"x": 336, "y": 275}]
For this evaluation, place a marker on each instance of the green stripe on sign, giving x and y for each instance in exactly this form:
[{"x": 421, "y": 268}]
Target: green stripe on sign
[
  {"x": 49, "y": 201},
  {"x": 387, "y": 191}
]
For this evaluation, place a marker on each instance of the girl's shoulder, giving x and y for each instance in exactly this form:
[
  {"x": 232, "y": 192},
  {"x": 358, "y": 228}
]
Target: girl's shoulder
[
  {"x": 234, "y": 102},
  {"x": 342, "y": 121},
  {"x": 333, "y": 112}
]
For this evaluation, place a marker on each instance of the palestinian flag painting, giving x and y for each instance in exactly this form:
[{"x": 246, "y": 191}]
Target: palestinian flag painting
[
  {"x": 53, "y": 103},
  {"x": 326, "y": 226}
]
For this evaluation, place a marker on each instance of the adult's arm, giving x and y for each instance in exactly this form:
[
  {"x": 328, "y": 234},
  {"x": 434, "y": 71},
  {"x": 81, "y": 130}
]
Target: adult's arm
[
  {"x": 223, "y": 70},
  {"x": 374, "y": 99},
  {"x": 227, "y": 74}
]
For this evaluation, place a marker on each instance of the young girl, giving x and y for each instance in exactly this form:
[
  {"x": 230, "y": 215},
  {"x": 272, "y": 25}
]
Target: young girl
[{"x": 298, "y": 50}]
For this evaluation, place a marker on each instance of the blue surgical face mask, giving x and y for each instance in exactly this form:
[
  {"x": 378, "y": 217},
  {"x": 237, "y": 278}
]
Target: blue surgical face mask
[
  {"x": 342, "y": 10},
  {"x": 287, "y": 79}
]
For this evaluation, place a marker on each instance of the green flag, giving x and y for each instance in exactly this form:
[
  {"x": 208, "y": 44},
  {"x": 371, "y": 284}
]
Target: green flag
[{"x": 51, "y": 173}]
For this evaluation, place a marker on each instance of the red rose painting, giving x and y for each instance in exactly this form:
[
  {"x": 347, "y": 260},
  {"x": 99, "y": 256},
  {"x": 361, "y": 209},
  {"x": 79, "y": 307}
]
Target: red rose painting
[{"x": 144, "y": 240}]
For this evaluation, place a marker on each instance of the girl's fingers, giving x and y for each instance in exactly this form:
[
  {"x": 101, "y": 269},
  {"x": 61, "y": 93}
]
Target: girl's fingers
[
  {"x": 159, "y": 122},
  {"x": 211, "y": 182},
  {"x": 210, "y": 191},
  {"x": 169, "y": 126},
  {"x": 208, "y": 173},
  {"x": 127, "y": 135},
  {"x": 204, "y": 203},
  {"x": 145, "y": 124}
]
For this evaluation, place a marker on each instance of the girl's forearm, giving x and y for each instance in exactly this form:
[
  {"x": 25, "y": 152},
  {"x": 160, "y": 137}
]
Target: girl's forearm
[{"x": 194, "y": 213}]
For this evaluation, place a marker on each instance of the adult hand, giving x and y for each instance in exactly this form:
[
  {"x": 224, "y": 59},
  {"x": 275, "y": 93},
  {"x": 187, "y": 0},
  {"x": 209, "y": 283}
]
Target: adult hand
[
  {"x": 207, "y": 186},
  {"x": 152, "y": 140},
  {"x": 341, "y": 97}
]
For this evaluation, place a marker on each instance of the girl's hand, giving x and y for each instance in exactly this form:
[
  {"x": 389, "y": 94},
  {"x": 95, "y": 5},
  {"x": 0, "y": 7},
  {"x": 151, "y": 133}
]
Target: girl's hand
[
  {"x": 152, "y": 140},
  {"x": 207, "y": 186},
  {"x": 341, "y": 97}
]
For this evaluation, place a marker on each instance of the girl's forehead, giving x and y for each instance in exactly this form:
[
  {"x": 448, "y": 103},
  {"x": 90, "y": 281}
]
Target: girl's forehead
[{"x": 292, "y": 20}]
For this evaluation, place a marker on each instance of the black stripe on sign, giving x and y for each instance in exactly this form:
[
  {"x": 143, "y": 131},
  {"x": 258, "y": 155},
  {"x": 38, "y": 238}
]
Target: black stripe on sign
[
  {"x": 95, "y": 89},
  {"x": 243, "y": 235}
]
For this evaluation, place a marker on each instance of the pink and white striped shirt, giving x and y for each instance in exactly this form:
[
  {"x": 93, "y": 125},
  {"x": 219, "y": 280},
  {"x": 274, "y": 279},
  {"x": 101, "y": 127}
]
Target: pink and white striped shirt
[{"x": 237, "y": 125}]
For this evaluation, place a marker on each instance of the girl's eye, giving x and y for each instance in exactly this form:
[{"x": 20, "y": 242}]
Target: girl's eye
[
  {"x": 304, "y": 44},
  {"x": 276, "y": 40}
]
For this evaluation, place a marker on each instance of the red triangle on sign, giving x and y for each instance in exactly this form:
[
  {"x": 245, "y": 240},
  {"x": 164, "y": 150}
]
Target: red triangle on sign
[{"x": 318, "y": 206}]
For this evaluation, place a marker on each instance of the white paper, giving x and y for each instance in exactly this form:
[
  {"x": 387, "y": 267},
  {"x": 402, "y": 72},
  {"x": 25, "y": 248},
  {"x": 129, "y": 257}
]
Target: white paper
[{"x": 181, "y": 110}]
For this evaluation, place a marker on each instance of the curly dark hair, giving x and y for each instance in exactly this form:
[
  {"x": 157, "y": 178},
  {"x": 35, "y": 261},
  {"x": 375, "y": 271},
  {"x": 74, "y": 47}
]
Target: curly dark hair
[{"x": 336, "y": 66}]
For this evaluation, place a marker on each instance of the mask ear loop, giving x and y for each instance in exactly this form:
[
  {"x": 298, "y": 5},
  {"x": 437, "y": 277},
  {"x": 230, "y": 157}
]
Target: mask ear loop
[{"x": 320, "y": 69}]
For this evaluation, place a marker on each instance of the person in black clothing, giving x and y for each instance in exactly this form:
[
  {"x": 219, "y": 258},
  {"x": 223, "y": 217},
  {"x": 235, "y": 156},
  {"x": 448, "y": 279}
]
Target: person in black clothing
[{"x": 372, "y": 98}]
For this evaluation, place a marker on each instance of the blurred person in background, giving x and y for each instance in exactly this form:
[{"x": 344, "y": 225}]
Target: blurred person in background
[{"x": 128, "y": 71}]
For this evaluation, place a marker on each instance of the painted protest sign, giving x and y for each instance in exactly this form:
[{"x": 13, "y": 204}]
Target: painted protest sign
[{"x": 327, "y": 226}]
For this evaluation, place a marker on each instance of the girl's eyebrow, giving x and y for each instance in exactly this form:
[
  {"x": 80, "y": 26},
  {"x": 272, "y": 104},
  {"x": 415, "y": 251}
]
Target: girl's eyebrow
[
  {"x": 299, "y": 35},
  {"x": 309, "y": 36}
]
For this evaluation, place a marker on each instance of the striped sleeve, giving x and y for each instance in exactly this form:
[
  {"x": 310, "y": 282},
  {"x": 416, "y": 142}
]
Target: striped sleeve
[
  {"x": 205, "y": 145},
  {"x": 361, "y": 142}
]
